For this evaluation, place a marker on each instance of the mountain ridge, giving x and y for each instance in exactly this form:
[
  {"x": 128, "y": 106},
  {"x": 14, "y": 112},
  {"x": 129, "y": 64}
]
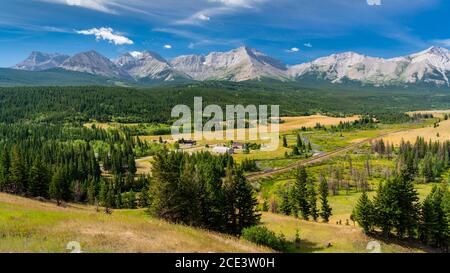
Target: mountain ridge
[{"x": 427, "y": 67}]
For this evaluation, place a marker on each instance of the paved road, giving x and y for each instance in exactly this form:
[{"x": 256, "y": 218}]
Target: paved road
[{"x": 316, "y": 159}]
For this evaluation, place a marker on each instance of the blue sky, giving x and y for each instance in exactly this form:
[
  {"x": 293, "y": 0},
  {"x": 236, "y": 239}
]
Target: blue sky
[{"x": 293, "y": 31}]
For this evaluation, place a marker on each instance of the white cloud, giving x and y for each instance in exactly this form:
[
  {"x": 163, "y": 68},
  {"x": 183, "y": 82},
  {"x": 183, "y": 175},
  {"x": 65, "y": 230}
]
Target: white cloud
[
  {"x": 238, "y": 3},
  {"x": 168, "y": 46},
  {"x": 107, "y": 34},
  {"x": 293, "y": 50},
  {"x": 374, "y": 2},
  {"x": 98, "y": 5},
  {"x": 307, "y": 45},
  {"x": 198, "y": 39},
  {"x": 443, "y": 42},
  {"x": 221, "y": 7}
]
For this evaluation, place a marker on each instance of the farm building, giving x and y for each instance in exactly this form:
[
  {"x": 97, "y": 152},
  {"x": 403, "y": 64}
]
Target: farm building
[
  {"x": 238, "y": 146},
  {"x": 223, "y": 150},
  {"x": 187, "y": 142}
]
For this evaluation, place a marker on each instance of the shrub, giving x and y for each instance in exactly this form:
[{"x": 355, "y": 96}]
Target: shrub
[{"x": 262, "y": 236}]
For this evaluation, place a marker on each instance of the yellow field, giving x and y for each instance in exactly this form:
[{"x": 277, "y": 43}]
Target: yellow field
[
  {"x": 289, "y": 124},
  {"x": 293, "y": 123},
  {"x": 441, "y": 133},
  {"x": 436, "y": 113}
]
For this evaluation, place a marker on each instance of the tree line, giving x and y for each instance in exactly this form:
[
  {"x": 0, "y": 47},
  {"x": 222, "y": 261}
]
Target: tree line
[
  {"x": 78, "y": 104},
  {"x": 65, "y": 163},
  {"x": 396, "y": 210},
  {"x": 422, "y": 161}
]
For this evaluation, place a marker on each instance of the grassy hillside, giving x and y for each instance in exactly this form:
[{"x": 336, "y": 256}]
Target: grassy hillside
[{"x": 32, "y": 226}]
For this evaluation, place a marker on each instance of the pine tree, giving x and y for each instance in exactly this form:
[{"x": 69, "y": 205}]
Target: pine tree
[
  {"x": 39, "y": 179},
  {"x": 326, "y": 210},
  {"x": 300, "y": 193},
  {"x": 192, "y": 188},
  {"x": 363, "y": 213},
  {"x": 246, "y": 202},
  {"x": 107, "y": 198},
  {"x": 428, "y": 220},
  {"x": 91, "y": 191},
  {"x": 312, "y": 201},
  {"x": 384, "y": 208},
  {"x": 165, "y": 190},
  {"x": 300, "y": 144},
  {"x": 131, "y": 164},
  {"x": 56, "y": 188},
  {"x": 17, "y": 173},
  {"x": 408, "y": 206},
  {"x": 434, "y": 224},
  {"x": 285, "y": 204},
  {"x": 5, "y": 164},
  {"x": 285, "y": 144}
]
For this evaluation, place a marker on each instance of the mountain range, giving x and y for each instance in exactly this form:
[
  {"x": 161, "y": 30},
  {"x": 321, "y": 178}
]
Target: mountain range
[{"x": 428, "y": 67}]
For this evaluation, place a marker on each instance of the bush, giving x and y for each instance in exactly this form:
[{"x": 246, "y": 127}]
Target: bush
[{"x": 262, "y": 236}]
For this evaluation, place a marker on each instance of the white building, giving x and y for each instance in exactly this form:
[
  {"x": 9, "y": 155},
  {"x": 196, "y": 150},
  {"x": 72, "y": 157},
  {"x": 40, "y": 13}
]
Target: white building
[{"x": 223, "y": 150}]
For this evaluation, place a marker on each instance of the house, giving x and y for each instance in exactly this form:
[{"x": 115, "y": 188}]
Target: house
[
  {"x": 223, "y": 150},
  {"x": 187, "y": 142}
]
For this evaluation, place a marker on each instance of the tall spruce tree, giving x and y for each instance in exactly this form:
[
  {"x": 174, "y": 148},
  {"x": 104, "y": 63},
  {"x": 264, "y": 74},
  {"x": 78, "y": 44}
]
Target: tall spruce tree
[
  {"x": 325, "y": 210},
  {"x": 434, "y": 224},
  {"x": 428, "y": 220},
  {"x": 408, "y": 206},
  {"x": 39, "y": 179},
  {"x": 312, "y": 200},
  {"x": 285, "y": 144},
  {"x": 385, "y": 207},
  {"x": 56, "y": 188},
  {"x": 246, "y": 202},
  {"x": 300, "y": 144},
  {"x": 364, "y": 213},
  {"x": 18, "y": 176},
  {"x": 286, "y": 204},
  {"x": 5, "y": 164},
  {"x": 300, "y": 193}
]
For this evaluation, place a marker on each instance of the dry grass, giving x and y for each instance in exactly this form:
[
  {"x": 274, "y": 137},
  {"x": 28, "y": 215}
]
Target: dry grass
[
  {"x": 436, "y": 113},
  {"x": 330, "y": 238},
  {"x": 144, "y": 165},
  {"x": 31, "y": 226},
  {"x": 293, "y": 123},
  {"x": 289, "y": 124},
  {"x": 441, "y": 133}
]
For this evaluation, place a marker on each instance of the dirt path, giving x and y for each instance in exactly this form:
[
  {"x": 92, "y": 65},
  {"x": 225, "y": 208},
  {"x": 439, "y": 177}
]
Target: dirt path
[{"x": 318, "y": 158}]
